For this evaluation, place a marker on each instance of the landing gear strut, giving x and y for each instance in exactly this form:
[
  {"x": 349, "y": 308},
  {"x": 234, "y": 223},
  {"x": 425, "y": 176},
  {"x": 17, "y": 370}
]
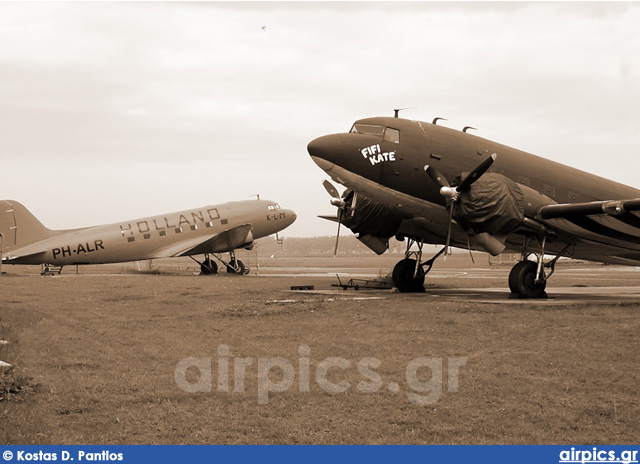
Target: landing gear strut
[
  {"x": 408, "y": 274},
  {"x": 528, "y": 279}
]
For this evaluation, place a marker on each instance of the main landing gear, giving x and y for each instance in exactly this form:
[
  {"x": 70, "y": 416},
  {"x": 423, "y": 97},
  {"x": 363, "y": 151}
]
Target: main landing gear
[
  {"x": 527, "y": 278},
  {"x": 408, "y": 274},
  {"x": 526, "y": 282},
  {"x": 233, "y": 266},
  {"x": 208, "y": 266}
]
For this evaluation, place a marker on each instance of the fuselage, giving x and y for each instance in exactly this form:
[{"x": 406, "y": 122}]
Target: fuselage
[
  {"x": 384, "y": 158},
  {"x": 397, "y": 161},
  {"x": 151, "y": 237}
]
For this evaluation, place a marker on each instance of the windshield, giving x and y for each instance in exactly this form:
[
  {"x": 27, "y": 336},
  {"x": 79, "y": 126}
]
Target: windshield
[{"x": 368, "y": 129}]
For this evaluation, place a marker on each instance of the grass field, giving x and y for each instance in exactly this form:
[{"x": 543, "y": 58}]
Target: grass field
[{"x": 101, "y": 353}]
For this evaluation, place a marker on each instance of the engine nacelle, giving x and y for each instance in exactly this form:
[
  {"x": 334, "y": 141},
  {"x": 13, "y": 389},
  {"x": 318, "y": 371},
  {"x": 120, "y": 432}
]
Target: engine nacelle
[
  {"x": 493, "y": 204},
  {"x": 376, "y": 244},
  {"x": 494, "y": 207},
  {"x": 373, "y": 221}
]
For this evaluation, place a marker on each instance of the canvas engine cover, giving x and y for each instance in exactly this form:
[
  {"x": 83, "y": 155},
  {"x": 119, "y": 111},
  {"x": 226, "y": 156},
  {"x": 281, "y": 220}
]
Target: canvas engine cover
[{"x": 494, "y": 204}]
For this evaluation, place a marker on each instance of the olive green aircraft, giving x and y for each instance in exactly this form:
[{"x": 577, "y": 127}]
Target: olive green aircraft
[
  {"x": 208, "y": 231},
  {"x": 426, "y": 183}
]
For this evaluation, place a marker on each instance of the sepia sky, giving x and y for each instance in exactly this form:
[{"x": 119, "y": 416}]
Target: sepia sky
[{"x": 112, "y": 111}]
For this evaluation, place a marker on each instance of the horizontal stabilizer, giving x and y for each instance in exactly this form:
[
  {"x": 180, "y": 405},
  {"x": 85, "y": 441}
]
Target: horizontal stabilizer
[{"x": 11, "y": 258}]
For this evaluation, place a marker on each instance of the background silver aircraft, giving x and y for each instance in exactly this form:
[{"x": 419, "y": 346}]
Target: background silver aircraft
[{"x": 207, "y": 231}]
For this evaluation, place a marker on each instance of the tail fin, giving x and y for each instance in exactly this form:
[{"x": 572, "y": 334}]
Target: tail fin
[{"x": 19, "y": 227}]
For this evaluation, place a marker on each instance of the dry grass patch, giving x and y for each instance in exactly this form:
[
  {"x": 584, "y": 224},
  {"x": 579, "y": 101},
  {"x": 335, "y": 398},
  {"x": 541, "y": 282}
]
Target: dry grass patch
[{"x": 104, "y": 350}]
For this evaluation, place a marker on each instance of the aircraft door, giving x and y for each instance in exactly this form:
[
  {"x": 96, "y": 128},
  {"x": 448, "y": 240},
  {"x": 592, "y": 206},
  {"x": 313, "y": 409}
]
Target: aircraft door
[{"x": 7, "y": 225}]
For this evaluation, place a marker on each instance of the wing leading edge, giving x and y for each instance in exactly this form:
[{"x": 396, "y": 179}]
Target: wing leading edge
[
  {"x": 571, "y": 210},
  {"x": 613, "y": 223}
]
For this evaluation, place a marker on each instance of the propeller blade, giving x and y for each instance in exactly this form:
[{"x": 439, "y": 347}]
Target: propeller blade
[
  {"x": 354, "y": 200},
  {"x": 335, "y": 250},
  {"x": 328, "y": 186},
  {"x": 447, "y": 246},
  {"x": 476, "y": 173},
  {"x": 329, "y": 218},
  {"x": 436, "y": 176},
  {"x": 445, "y": 189}
]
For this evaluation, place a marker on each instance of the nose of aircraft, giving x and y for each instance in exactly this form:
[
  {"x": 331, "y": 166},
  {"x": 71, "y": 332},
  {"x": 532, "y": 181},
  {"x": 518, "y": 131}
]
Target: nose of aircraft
[
  {"x": 324, "y": 150},
  {"x": 291, "y": 216}
]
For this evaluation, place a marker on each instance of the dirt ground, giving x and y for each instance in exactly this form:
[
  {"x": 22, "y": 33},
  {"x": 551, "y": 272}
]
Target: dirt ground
[{"x": 103, "y": 359}]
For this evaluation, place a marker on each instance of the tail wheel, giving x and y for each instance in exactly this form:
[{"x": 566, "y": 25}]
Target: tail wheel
[
  {"x": 404, "y": 276},
  {"x": 522, "y": 280},
  {"x": 208, "y": 267},
  {"x": 236, "y": 266}
]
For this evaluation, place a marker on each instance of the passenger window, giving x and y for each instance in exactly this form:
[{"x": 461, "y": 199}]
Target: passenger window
[{"x": 392, "y": 135}]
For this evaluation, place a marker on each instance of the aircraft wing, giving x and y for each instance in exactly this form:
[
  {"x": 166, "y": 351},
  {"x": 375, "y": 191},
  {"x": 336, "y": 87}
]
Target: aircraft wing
[
  {"x": 570, "y": 210},
  {"x": 228, "y": 240},
  {"x": 611, "y": 222}
]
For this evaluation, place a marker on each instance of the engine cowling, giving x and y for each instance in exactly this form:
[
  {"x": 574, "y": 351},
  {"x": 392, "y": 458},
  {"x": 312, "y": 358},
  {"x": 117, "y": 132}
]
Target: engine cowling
[
  {"x": 373, "y": 221},
  {"x": 493, "y": 204}
]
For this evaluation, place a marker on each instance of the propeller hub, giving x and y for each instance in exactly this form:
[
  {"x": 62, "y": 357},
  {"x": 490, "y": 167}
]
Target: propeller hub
[{"x": 450, "y": 192}]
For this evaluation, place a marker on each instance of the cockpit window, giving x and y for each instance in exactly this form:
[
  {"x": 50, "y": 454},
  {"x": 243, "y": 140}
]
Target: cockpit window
[
  {"x": 273, "y": 207},
  {"x": 368, "y": 129},
  {"x": 392, "y": 135}
]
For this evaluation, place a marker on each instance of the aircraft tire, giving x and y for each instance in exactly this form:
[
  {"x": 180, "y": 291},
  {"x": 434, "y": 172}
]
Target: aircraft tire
[
  {"x": 513, "y": 279},
  {"x": 208, "y": 267},
  {"x": 236, "y": 267},
  {"x": 403, "y": 278},
  {"x": 522, "y": 280}
]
